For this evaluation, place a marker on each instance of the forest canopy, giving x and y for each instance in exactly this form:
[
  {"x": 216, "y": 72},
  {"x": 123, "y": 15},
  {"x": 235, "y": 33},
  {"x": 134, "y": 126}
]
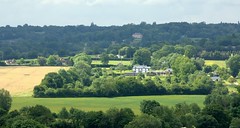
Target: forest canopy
[{"x": 26, "y": 41}]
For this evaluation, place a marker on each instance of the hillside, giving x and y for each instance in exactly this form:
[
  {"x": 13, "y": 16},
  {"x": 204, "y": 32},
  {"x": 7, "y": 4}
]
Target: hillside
[{"x": 31, "y": 41}]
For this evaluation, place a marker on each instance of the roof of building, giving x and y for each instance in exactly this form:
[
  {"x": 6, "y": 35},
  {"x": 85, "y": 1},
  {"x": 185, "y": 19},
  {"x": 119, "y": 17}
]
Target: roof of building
[{"x": 141, "y": 66}]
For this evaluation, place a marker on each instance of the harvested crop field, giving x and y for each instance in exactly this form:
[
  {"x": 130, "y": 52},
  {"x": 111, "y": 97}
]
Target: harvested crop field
[{"x": 20, "y": 80}]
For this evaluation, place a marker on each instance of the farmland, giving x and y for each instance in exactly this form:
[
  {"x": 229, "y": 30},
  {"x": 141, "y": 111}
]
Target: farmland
[
  {"x": 20, "y": 80},
  {"x": 96, "y": 104},
  {"x": 220, "y": 63},
  {"x": 113, "y": 62}
]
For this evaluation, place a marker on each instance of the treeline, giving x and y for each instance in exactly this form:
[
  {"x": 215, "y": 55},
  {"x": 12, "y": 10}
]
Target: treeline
[
  {"x": 28, "y": 41},
  {"x": 221, "y": 110},
  {"x": 189, "y": 77}
]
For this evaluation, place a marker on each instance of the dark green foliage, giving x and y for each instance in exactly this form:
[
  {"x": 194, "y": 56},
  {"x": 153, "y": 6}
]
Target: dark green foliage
[
  {"x": 119, "y": 117},
  {"x": 52, "y": 80},
  {"x": 207, "y": 121},
  {"x": 147, "y": 106},
  {"x": 219, "y": 114},
  {"x": 104, "y": 57},
  {"x": 142, "y": 57},
  {"x": 234, "y": 64},
  {"x": 5, "y": 101},
  {"x": 27, "y": 123},
  {"x": 235, "y": 123},
  {"x": 145, "y": 121},
  {"x": 39, "y": 113},
  {"x": 33, "y": 41}
]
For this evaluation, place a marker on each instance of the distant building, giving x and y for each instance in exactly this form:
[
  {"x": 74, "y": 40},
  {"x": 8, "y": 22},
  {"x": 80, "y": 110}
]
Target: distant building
[
  {"x": 216, "y": 78},
  {"x": 168, "y": 71},
  {"x": 141, "y": 69},
  {"x": 10, "y": 62},
  {"x": 137, "y": 35}
]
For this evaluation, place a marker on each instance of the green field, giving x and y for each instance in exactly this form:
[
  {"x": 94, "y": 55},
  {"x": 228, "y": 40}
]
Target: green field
[
  {"x": 96, "y": 104},
  {"x": 220, "y": 63},
  {"x": 113, "y": 62}
]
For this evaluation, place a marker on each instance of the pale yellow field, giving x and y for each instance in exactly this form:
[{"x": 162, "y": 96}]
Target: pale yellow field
[{"x": 20, "y": 80}]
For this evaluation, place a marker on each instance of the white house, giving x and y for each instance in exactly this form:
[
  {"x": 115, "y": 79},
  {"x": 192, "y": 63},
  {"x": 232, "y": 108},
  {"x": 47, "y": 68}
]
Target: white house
[
  {"x": 141, "y": 68},
  {"x": 137, "y": 35},
  {"x": 216, "y": 78}
]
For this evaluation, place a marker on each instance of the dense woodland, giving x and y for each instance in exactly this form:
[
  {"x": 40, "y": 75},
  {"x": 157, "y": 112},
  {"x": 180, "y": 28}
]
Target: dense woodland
[
  {"x": 222, "y": 110},
  {"x": 212, "y": 41}
]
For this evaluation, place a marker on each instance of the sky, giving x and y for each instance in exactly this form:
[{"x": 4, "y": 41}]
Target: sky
[{"x": 116, "y": 12}]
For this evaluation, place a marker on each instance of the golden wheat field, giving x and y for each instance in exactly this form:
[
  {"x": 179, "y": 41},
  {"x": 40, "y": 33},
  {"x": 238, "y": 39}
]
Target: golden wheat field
[{"x": 20, "y": 80}]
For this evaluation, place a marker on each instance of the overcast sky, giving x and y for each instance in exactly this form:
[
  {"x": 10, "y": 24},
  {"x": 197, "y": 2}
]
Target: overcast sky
[{"x": 116, "y": 12}]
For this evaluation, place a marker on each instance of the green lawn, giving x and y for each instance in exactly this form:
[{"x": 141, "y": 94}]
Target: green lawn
[
  {"x": 96, "y": 104},
  {"x": 113, "y": 62},
  {"x": 220, "y": 63}
]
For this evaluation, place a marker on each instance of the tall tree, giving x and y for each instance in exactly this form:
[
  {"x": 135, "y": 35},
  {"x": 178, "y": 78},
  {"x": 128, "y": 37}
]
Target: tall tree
[
  {"x": 5, "y": 101},
  {"x": 142, "y": 57},
  {"x": 234, "y": 64},
  {"x": 104, "y": 58}
]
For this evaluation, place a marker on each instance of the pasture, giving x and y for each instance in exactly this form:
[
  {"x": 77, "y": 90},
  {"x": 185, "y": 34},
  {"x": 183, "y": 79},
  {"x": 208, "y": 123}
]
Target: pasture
[
  {"x": 97, "y": 104},
  {"x": 20, "y": 80},
  {"x": 113, "y": 62},
  {"x": 220, "y": 63}
]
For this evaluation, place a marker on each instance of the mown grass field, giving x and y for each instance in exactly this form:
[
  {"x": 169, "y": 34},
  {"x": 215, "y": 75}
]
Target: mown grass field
[
  {"x": 20, "y": 80},
  {"x": 220, "y": 63},
  {"x": 96, "y": 104},
  {"x": 113, "y": 62}
]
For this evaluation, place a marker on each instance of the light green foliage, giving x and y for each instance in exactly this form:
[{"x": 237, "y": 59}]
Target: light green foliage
[
  {"x": 53, "y": 60},
  {"x": 182, "y": 67},
  {"x": 190, "y": 51},
  {"x": 96, "y": 104},
  {"x": 82, "y": 57},
  {"x": 234, "y": 64}
]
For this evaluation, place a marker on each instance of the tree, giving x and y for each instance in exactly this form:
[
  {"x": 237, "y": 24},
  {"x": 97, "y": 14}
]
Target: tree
[
  {"x": 207, "y": 121},
  {"x": 27, "y": 123},
  {"x": 38, "y": 113},
  {"x": 41, "y": 60},
  {"x": 104, "y": 58},
  {"x": 5, "y": 101},
  {"x": 190, "y": 51},
  {"x": 82, "y": 57},
  {"x": 53, "y": 60},
  {"x": 52, "y": 80},
  {"x": 145, "y": 121},
  {"x": 147, "y": 106},
  {"x": 142, "y": 57},
  {"x": 63, "y": 114},
  {"x": 235, "y": 123},
  {"x": 234, "y": 64},
  {"x": 182, "y": 67},
  {"x": 219, "y": 114},
  {"x": 119, "y": 118}
]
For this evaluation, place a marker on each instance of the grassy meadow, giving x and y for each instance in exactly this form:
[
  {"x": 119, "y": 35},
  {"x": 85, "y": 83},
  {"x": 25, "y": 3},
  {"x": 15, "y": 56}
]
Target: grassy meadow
[
  {"x": 20, "y": 80},
  {"x": 96, "y": 104},
  {"x": 220, "y": 63},
  {"x": 113, "y": 62}
]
